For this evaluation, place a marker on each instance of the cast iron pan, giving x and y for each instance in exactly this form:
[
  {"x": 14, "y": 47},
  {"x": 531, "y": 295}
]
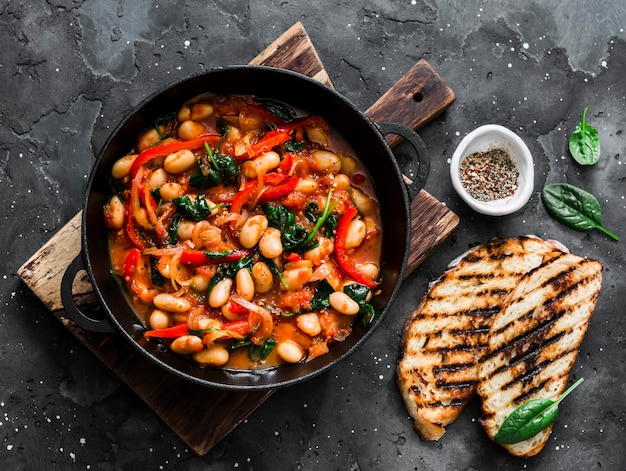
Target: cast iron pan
[{"x": 264, "y": 82}]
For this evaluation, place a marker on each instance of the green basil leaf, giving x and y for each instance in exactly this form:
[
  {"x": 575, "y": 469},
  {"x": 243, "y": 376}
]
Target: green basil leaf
[
  {"x": 530, "y": 418},
  {"x": 584, "y": 143},
  {"x": 574, "y": 207}
]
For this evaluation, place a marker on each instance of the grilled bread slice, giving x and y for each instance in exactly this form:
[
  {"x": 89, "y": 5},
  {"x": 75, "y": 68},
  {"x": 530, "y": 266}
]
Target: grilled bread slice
[
  {"x": 534, "y": 340},
  {"x": 443, "y": 338}
]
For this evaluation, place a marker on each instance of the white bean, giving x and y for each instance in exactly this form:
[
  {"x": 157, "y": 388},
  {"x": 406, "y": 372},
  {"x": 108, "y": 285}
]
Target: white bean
[
  {"x": 318, "y": 254},
  {"x": 370, "y": 270},
  {"x": 306, "y": 185},
  {"x": 262, "y": 276},
  {"x": 355, "y": 234},
  {"x": 261, "y": 164},
  {"x": 290, "y": 351},
  {"x": 179, "y": 161},
  {"x": 221, "y": 292},
  {"x": 184, "y": 113},
  {"x": 318, "y": 135},
  {"x": 214, "y": 355},
  {"x": 159, "y": 319},
  {"x": 326, "y": 161},
  {"x": 200, "y": 282},
  {"x": 200, "y": 111},
  {"x": 122, "y": 166},
  {"x": 252, "y": 230},
  {"x": 157, "y": 178},
  {"x": 114, "y": 213},
  {"x": 343, "y": 303},
  {"x": 169, "y": 302},
  {"x": 341, "y": 181},
  {"x": 364, "y": 203},
  {"x": 271, "y": 244},
  {"x": 170, "y": 191},
  {"x": 190, "y": 130},
  {"x": 309, "y": 324},
  {"x": 186, "y": 345},
  {"x": 164, "y": 267},
  {"x": 185, "y": 229},
  {"x": 348, "y": 164},
  {"x": 206, "y": 235},
  {"x": 228, "y": 313},
  {"x": 297, "y": 274},
  {"x": 148, "y": 139},
  {"x": 245, "y": 284}
]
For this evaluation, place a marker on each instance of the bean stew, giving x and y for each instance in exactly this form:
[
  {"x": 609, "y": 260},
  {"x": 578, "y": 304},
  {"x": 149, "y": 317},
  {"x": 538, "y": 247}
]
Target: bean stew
[{"x": 247, "y": 233}]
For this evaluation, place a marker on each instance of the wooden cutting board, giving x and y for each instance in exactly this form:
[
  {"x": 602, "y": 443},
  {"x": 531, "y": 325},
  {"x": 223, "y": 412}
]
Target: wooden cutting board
[{"x": 208, "y": 415}]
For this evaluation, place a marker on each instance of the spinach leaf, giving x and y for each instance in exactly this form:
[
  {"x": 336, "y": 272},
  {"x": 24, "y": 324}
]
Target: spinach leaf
[
  {"x": 155, "y": 275},
  {"x": 530, "y": 418},
  {"x": 584, "y": 143},
  {"x": 230, "y": 270},
  {"x": 281, "y": 218},
  {"x": 167, "y": 121},
  {"x": 359, "y": 293},
  {"x": 258, "y": 353},
  {"x": 293, "y": 146},
  {"x": 574, "y": 207},
  {"x": 173, "y": 229},
  {"x": 278, "y": 109},
  {"x": 213, "y": 169},
  {"x": 320, "y": 297},
  {"x": 197, "y": 208},
  {"x": 274, "y": 269}
]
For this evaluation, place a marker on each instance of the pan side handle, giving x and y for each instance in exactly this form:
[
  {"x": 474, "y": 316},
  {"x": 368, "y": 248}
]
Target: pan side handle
[
  {"x": 79, "y": 317},
  {"x": 417, "y": 180}
]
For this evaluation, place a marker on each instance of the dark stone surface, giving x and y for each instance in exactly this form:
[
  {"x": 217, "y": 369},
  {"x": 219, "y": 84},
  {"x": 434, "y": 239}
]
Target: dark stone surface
[{"x": 71, "y": 69}]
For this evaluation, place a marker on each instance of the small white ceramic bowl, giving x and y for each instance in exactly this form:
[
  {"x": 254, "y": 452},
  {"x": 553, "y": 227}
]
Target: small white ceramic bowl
[{"x": 483, "y": 139}]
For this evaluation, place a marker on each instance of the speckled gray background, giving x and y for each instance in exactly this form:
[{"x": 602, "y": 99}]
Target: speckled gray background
[{"x": 70, "y": 69}]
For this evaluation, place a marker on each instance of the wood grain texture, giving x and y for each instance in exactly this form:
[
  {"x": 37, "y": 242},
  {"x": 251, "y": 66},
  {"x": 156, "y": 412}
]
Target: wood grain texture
[
  {"x": 419, "y": 96},
  {"x": 207, "y": 415}
]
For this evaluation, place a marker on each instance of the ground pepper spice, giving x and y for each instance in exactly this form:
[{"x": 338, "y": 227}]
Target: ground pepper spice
[{"x": 490, "y": 175}]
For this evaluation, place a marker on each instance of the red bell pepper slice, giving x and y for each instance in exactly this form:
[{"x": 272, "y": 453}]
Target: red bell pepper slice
[
  {"x": 237, "y": 308},
  {"x": 169, "y": 147},
  {"x": 274, "y": 178},
  {"x": 131, "y": 228},
  {"x": 199, "y": 257},
  {"x": 278, "y": 191},
  {"x": 242, "y": 196},
  {"x": 286, "y": 163},
  {"x": 241, "y": 327},
  {"x": 130, "y": 263},
  {"x": 264, "y": 114},
  {"x": 268, "y": 142},
  {"x": 306, "y": 121},
  {"x": 168, "y": 333},
  {"x": 340, "y": 249}
]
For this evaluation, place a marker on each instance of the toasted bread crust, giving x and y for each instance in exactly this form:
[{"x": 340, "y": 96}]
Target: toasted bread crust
[
  {"x": 534, "y": 341},
  {"x": 443, "y": 339}
]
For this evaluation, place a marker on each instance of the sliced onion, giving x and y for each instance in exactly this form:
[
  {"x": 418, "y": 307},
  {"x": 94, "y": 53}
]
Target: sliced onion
[
  {"x": 266, "y": 325},
  {"x": 164, "y": 251},
  {"x": 322, "y": 271},
  {"x": 176, "y": 273}
]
